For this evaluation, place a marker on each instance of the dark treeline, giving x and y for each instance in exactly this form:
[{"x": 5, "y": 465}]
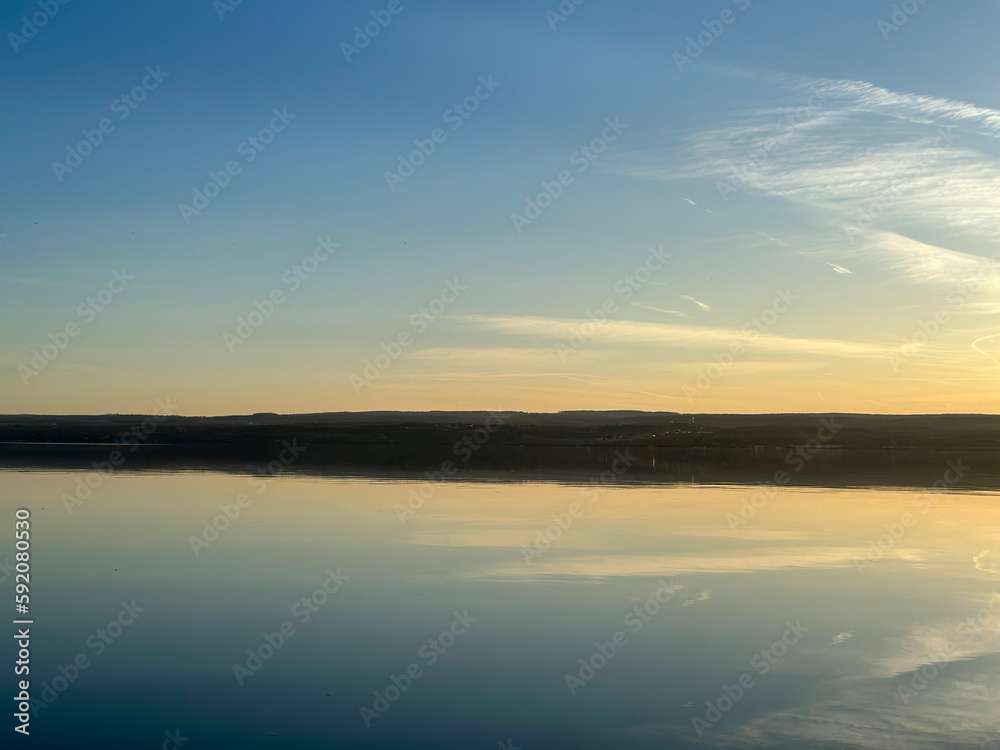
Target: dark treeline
[{"x": 568, "y": 429}]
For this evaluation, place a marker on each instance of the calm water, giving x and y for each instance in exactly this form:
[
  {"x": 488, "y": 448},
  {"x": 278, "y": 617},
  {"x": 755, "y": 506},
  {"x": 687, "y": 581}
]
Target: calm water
[{"x": 791, "y": 628}]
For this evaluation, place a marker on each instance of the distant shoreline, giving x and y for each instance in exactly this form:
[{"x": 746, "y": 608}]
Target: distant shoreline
[{"x": 577, "y": 429}]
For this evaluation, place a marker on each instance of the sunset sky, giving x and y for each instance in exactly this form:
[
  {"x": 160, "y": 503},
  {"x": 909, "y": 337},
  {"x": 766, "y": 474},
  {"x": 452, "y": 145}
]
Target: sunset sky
[{"x": 799, "y": 215}]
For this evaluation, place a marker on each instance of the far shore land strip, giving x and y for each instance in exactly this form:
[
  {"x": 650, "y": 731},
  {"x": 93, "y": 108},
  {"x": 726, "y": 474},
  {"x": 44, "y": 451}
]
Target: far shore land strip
[{"x": 575, "y": 429}]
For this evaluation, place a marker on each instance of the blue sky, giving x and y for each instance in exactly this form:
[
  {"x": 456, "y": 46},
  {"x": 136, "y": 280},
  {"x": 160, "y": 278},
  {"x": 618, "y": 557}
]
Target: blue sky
[{"x": 873, "y": 138}]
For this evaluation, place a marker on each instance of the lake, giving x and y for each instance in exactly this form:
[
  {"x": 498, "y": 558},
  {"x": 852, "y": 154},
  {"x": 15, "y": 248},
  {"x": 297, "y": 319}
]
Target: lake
[{"x": 199, "y": 608}]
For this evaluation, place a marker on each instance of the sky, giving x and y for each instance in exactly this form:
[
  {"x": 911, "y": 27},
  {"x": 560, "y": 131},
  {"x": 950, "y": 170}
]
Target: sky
[{"x": 746, "y": 206}]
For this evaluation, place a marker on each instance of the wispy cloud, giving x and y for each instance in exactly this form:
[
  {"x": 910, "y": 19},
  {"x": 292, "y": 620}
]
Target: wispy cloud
[
  {"x": 979, "y": 343},
  {"x": 922, "y": 263},
  {"x": 606, "y": 567},
  {"x": 773, "y": 239},
  {"x": 704, "y": 596},
  {"x": 636, "y": 333},
  {"x": 841, "y": 638},
  {"x": 918, "y": 108},
  {"x": 457, "y": 355},
  {"x": 866, "y": 153},
  {"x": 654, "y": 308},
  {"x": 693, "y": 301},
  {"x": 706, "y": 210}
]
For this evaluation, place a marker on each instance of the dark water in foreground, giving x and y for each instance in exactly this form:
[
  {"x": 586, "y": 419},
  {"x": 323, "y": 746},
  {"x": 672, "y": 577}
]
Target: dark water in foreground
[{"x": 546, "y": 614}]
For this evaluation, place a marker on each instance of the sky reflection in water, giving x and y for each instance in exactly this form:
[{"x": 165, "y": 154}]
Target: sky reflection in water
[{"x": 864, "y": 631}]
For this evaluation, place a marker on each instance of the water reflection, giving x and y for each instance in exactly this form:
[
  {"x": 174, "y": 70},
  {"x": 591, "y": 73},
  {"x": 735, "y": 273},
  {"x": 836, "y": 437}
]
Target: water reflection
[{"x": 896, "y": 648}]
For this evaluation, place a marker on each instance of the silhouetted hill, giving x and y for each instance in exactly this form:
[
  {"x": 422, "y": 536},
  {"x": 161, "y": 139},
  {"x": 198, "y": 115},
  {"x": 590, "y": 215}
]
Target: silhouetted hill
[{"x": 571, "y": 428}]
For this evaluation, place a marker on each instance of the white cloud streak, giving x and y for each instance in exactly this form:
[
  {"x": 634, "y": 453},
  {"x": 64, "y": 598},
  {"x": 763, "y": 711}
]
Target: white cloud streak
[{"x": 636, "y": 333}]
